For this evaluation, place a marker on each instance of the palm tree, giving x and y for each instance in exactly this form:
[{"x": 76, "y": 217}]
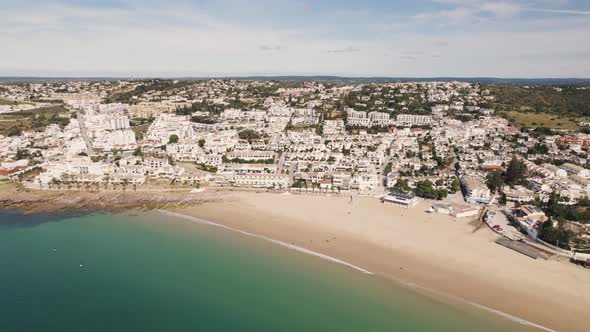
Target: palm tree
[
  {"x": 107, "y": 179},
  {"x": 125, "y": 183}
]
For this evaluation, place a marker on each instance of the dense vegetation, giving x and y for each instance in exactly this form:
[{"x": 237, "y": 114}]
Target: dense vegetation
[
  {"x": 557, "y": 236},
  {"x": 573, "y": 100},
  {"x": 202, "y": 119},
  {"x": 200, "y": 107},
  {"x": 579, "y": 212},
  {"x": 426, "y": 189},
  {"x": 152, "y": 85},
  {"x": 515, "y": 175},
  {"x": 542, "y": 106},
  {"x": 248, "y": 161},
  {"x": 248, "y": 134},
  {"x": 12, "y": 124}
]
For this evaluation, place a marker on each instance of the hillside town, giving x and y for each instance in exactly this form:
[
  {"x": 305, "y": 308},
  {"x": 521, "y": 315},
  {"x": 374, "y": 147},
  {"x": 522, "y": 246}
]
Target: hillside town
[{"x": 401, "y": 143}]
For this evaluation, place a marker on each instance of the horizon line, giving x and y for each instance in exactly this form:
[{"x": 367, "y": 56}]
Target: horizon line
[{"x": 333, "y": 77}]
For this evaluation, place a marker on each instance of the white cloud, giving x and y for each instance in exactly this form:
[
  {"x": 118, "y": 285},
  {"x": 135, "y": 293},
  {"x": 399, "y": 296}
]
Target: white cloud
[
  {"x": 348, "y": 49},
  {"x": 175, "y": 40},
  {"x": 269, "y": 47},
  {"x": 561, "y": 11}
]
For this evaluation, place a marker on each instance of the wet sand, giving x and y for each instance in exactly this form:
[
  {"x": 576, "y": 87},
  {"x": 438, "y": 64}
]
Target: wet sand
[{"x": 431, "y": 252}]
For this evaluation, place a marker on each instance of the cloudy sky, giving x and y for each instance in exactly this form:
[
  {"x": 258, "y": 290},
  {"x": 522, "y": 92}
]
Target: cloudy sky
[{"x": 418, "y": 38}]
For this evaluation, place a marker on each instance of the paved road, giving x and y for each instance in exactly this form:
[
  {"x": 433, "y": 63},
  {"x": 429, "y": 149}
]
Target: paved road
[
  {"x": 281, "y": 163},
  {"x": 507, "y": 229},
  {"x": 82, "y": 123}
]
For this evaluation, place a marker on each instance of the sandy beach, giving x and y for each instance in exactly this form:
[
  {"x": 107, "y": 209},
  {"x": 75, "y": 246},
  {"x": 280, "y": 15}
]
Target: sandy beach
[
  {"x": 433, "y": 253},
  {"x": 440, "y": 256}
]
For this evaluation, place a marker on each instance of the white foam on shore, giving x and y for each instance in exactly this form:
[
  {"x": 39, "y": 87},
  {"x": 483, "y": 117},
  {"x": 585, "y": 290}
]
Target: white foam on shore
[
  {"x": 281, "y": 243},
  {"x": 508, "y": 316}
]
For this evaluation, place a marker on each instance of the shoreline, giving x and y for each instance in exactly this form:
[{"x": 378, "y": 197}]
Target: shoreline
[
  {"x": 402, "y": 283},
  {"x": 265, "y": 238},
  {"x": 459, "y": 264},
  {"x": 429, "y": 253}
]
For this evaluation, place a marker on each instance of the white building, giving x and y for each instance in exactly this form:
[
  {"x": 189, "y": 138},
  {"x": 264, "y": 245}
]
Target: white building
[
  {"x": 413, "y": 120},
  {"x": 332, "y": 127},
  {"x": 401, "y": 199},
  {"x": 475, "y": 190},
  {"x": 575, "y": 170}
]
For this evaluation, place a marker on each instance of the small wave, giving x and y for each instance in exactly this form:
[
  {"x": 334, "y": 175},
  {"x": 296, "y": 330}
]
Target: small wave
[
  {"x": 505, "y": 315},
  {"x": 281, "y": 243},
  {"x": 508, "y": 316}
]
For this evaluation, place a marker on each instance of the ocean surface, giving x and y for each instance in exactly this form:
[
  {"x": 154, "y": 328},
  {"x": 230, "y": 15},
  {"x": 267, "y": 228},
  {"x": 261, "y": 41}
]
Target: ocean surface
[{"x": 156, "y": 272}]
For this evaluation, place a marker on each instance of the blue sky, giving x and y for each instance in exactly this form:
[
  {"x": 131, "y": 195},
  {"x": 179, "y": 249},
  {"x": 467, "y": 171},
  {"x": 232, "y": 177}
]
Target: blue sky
[{"x": 420, "y": 38}]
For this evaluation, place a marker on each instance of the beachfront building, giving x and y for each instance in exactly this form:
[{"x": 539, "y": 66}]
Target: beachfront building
[
  {"x": 274, "y": 181},
  {"x": 475, "y": 190},
  {"x": 455, "y": 210},
  {"x": 582, "y": 259},
  {"x": 531, "y": 218},
  {"x": 399, "y": 198}
]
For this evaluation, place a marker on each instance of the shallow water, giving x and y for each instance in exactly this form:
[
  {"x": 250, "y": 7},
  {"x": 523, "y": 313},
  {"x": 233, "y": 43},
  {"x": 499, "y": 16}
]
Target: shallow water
[{"x": 155, "y": 272}]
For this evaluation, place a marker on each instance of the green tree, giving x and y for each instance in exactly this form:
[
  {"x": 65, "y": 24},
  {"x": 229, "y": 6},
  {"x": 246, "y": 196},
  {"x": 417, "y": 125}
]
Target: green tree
[
  {"x": 388, "y": 168},
  {"x": 455, "y": 186},
  {"x": 441, "y": 193},
  {"x": 515, "y": 172},
  {"x": 201, "y": 142},
  {"x": 557, "y": 236},
  {"x": 202, "y": 119},
  {"x": 426, "y": 189},
  {"x": 402, "y": 185},
  {"x": 173, "y": 139},
  {"x": 137, "y": 152},
  {"x": 495, "y": 181},
  {"x": 539, "y": 148},
  {"x": 248, "y": 134},
  {"x": 22, "y": 154},
  {"x": 14, "y": 131}
]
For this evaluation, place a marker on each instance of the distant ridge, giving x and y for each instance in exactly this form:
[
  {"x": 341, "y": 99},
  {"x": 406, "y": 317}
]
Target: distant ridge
[{"x": 325, "y": 78}]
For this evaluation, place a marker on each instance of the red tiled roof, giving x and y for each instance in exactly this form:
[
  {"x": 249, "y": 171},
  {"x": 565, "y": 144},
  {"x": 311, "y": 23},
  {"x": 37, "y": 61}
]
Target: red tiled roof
[{"x": 12, "y": 171}]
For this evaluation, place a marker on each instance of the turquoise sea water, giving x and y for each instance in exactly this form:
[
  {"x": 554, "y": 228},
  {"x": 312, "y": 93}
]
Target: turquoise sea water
[{"x": 152, "y": 272}]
